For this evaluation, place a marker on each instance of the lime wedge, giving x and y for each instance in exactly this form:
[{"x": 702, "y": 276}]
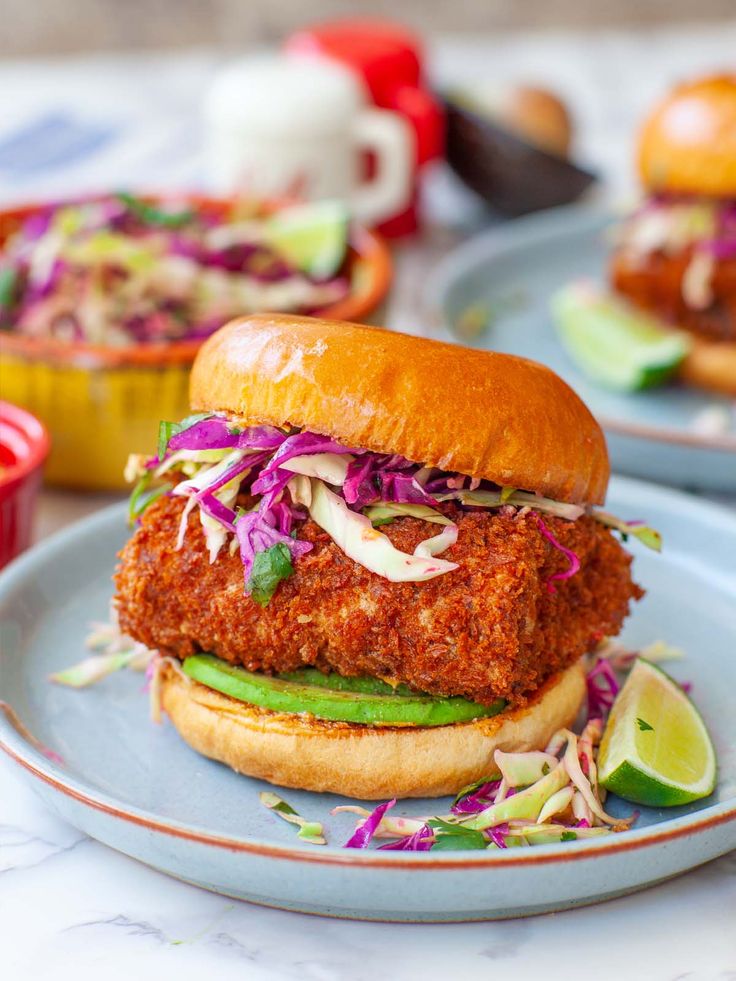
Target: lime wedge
[
  {"x": 614, "y": 343},
  {"x": 313, "y": 237},
  {"x": 656, "y": 749}
]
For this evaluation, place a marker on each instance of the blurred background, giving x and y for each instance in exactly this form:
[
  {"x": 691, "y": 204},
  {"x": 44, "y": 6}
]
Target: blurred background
[
  {"x": 507, "y": 109},
  {"x": 48, "y": 27},
  {"x": 127, "y": 79}
]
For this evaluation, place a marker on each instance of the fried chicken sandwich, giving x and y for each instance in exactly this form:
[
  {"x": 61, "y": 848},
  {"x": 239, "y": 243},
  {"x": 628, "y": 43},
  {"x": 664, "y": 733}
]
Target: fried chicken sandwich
[
  {"x": 369, "y": 560},
  {"x": 677, "y": 253}
]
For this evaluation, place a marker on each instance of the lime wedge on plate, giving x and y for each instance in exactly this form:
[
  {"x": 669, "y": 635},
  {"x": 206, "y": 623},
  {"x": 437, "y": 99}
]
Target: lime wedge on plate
[
  {"x": 656, "y": 750},
  {"x": 614, "y": 343},
  {"x": 314, "y": 237}
]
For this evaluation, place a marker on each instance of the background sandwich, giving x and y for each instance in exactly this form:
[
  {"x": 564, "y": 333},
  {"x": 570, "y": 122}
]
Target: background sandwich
[{"x": 677, "y": 254}]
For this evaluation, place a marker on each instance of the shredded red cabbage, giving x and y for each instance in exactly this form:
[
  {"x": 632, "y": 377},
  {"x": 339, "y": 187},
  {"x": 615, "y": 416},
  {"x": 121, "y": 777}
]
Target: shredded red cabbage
[
  {"x": 403, "y": 489},
  {"x": 217, "y": 510},
  {"x": 285, "y": 515},
  {"x": 216, "y": 433},
  {"x": 420, "y": 841},
  {"x": 254, "y": 258},
  {"x": 603, "y": 687},
  {"x": 363, "y": 835},
  {"x": 240, "y": 466},
  {"x": 360, "y": 487},
  {"x": 498, "y": 835},
  {"x": 721, "y": 248},
  {"x": 40, "y": 290},
  {"x": 36, "y": 225},
  {"x": 722, "y": 244},
  {"x": 477, "y": 801},
  {"x": 572, "y": 558},
  {"x": 382, "y": 477},
  {"x": 299, "y": 444},
  {"x": 258, "y": 531},
  {"x": 447, "y": 483}
]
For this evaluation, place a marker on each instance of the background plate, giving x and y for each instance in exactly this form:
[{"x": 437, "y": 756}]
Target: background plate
[
  {"x": 509, "y": 273},
  {"x": 138, "y": 788}
]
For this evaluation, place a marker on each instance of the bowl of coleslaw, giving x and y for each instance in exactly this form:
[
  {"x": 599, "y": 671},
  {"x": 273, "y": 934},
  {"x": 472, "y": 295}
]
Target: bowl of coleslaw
[{"x": 104, "y": 302}]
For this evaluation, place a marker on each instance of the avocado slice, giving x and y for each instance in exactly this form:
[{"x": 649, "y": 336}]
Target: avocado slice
[
  {"x": 365, "y": 701},
  {"x": 369, "y": 686}
]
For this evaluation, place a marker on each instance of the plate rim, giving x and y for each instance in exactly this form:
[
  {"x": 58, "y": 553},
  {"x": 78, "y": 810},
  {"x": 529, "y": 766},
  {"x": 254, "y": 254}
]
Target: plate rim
[
  {"x": 17, "y": 747},
  {"x": 515, "y": 234}
]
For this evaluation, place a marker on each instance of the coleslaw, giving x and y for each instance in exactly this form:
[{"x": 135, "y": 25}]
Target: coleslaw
[
  {"x": 254, "y": 485},
  {"x": 119, "y": 270}
]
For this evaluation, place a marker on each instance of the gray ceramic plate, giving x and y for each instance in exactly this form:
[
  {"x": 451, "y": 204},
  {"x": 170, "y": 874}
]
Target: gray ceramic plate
[
  {"x": 506, "y": 276},
  {"x": 138, "y": 788}
]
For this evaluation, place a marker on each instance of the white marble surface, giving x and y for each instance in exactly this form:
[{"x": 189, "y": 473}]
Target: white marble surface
[{"x": 71, "y": 908}]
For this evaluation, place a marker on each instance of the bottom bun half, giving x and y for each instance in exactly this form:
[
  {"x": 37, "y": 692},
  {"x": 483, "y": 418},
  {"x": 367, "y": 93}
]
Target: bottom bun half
[
  {"x": 366, "y": 762},
  {"x": 711, "y": 364}
]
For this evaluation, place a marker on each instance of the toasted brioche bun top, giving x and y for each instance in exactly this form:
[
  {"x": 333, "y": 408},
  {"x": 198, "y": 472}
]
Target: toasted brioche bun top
[
  {"x": 487, "y": 415},
  {"x": 688, "y": 143}
]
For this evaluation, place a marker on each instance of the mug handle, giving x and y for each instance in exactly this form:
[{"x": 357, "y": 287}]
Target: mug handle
[
  {"x": 426, "y": 118},
  {"x": 387, "y": 136}
]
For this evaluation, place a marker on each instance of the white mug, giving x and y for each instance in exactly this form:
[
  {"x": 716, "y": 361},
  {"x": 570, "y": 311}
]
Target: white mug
[{"x": 282, "y": 126}]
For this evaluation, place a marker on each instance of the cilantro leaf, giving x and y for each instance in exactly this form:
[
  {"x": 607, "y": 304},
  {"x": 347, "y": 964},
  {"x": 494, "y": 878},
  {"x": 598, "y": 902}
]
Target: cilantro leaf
[
  {"x": 168, "y": 429},
  {"x": 8, "y": 279},
  {"x": 451, "y": 829},
  {"x": 568, "y": 836},
  {"x": 165, "y": 431},
  {"x": 151, "y": 215},
  {"x": 143, "y": 495},
  {"x": 455, "y": 837},
  {"x": 459, "y": 843},
  {"x": 269, "y": 568},
  {"x": 644, "y": 726}
]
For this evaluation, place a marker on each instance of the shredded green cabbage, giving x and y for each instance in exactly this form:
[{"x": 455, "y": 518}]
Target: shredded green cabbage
[{"x": 359, "y": 540}]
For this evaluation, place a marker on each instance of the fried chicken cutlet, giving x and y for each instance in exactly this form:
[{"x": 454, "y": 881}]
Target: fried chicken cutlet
[{"x": 497, "y": 626}]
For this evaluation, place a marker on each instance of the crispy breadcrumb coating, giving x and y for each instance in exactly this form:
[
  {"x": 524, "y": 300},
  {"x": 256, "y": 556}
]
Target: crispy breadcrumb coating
[
  {"x": 655, "y": 282},
  {"x": 490, "y": 629}
]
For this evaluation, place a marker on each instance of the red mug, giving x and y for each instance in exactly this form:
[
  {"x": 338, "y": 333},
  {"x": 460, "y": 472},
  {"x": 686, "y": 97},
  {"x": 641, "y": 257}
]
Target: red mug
[{"x": 388, "y": 59}]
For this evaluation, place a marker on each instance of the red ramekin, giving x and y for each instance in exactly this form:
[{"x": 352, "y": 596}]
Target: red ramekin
[{"x": 24, "y": 446}]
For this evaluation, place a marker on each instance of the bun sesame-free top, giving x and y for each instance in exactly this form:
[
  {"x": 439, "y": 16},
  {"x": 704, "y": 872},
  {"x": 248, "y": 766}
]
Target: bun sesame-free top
[
  {"x": 688, "y": 143},
  {"x": 489, "y": 415}
]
